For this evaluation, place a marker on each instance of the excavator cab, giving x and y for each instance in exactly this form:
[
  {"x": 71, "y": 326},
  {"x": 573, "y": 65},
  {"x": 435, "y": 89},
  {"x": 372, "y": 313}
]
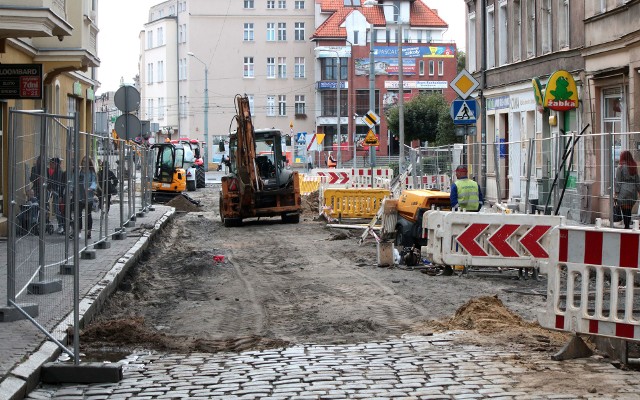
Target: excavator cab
[{"x": 169, "y": 176}]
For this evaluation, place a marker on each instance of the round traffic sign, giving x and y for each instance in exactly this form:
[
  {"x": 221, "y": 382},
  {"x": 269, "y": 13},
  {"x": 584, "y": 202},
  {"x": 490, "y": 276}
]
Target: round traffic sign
[
  {"x": 128, "y": 126},
  {"x": 127, "y": 99}
]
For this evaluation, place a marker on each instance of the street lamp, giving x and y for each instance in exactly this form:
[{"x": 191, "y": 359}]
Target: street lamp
[
  {"x": 338, "y": 83},
  {"x": 206, "y": 111},
  {"x": 374, "y": 3}
]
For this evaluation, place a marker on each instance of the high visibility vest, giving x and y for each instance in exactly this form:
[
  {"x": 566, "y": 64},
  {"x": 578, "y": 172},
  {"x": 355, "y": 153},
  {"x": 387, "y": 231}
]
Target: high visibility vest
[
  {"x": 468, "y": 195},
  {"x": 331, "y": 163}
]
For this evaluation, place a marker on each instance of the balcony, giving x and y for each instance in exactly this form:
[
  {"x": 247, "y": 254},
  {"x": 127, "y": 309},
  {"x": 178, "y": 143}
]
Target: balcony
[{"x": 34, "y": 18}]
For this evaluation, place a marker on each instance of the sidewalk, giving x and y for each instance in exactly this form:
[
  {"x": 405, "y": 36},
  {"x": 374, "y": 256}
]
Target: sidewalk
[{"x": 23, "y": 347}]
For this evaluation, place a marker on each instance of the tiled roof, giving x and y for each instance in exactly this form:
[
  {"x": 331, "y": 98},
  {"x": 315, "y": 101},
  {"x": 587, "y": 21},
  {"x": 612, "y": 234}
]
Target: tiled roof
[{"x": 421, "y": 15}]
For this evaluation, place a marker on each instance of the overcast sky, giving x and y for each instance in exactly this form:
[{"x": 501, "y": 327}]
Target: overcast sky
[{"x": 120, "y": 22}]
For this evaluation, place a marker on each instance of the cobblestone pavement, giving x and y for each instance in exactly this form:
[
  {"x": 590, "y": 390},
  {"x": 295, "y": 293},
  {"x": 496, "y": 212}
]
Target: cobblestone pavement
[{"x": 411, "y": 367}]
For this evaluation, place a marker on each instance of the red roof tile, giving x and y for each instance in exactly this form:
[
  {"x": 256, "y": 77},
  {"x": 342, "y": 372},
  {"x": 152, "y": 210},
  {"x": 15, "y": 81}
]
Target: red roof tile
[{"x": 420, "y": 15}]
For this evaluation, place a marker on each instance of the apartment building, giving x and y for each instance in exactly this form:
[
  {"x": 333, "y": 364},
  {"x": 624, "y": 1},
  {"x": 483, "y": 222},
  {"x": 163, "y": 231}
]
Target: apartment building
[
  {"x": 259, "y": 48},
  {"x": 60, "y": 35},
  {"x": 509, "y": 44},
  {"x": 353, "y": 32}
]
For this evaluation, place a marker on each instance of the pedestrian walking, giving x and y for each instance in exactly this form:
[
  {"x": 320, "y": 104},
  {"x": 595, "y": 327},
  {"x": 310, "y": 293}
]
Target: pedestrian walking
[
  {"x": 87, "y": 184},
  {"x": 627, "y": 186},
  {"x": 106, "y": 187},
  {"x": 465, "y": 193},
  {"x": 56, "y": 183}
]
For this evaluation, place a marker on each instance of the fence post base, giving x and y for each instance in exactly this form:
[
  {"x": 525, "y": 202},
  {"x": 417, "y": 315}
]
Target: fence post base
[
  {"x": 11, "y": 314},
  {"x": 131, "y": 223},
  {"x": 88, "y": 255},
  {"x": 575, "y": 348},
  {"x": 66, "y": 269},
  {"x": 102, "y": 245},
  {"x": 45, "y": 287},
  {"x": 122, "y": 235},
  {"x": 140, "y": 213}
]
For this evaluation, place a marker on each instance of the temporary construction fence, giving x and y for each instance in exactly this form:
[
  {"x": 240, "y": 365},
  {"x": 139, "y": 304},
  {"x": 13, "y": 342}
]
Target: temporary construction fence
[
  {"x": 489, "y": 239},
  {"x": 571, "y": 174},
  {"x": 353, "y": 203},
  {"x": 59, "y": 212},
  {"x": 593, "y": 283}
]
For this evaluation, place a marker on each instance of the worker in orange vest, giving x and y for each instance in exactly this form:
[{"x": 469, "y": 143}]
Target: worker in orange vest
[{"x": 331, "y": 162}]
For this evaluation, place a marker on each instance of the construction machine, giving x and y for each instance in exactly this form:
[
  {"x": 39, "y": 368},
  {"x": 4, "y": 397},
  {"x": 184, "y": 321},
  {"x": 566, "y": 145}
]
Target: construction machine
[
  {"x": 169, "y": 175},
  {"x": 259, "y": 182},
  {"x": 197, "y": 174},
  {"x": 412, "y": 205}
]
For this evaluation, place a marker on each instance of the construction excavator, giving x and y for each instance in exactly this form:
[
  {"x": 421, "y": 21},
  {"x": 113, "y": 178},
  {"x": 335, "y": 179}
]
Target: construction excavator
[{"x": 258, "y": 184}]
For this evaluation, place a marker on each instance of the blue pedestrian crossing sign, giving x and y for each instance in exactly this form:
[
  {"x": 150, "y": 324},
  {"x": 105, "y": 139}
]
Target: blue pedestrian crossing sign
[{"x": 464, "y": 112}]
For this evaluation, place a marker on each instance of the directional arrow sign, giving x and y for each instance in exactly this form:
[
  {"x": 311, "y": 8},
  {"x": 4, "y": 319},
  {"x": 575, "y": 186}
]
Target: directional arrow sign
[
  {"x": 499, "y": 240},
  {"x": 467, "y": 240},
  {"x": 530, "y": 241},
  {"x": 336, "y": 177}
]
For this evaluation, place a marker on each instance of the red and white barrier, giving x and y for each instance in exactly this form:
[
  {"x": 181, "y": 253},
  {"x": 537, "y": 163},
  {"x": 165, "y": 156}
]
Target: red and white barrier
[
  {"x": 441, "y": 182},
  {"x": 355, "y": 177},
  {"x": 592, "y": 285},
  {"x": 489, "y": 239}
]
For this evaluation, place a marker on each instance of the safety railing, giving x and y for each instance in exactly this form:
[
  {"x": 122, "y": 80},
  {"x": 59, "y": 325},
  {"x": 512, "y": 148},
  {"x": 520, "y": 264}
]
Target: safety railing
[
  {"x": 593, "y": 282},
  {"x": 353, "y": 203},
  {"x": 486, "y": 239}
]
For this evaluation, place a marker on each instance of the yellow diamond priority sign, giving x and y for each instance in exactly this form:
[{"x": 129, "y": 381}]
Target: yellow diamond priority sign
[{"x": 464, "y": 84}]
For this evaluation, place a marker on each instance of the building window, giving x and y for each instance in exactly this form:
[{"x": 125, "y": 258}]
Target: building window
[
  {"x": 563, "y": 24},
  {"x": 547, "y": 26},
  {"x": 503, "y": 52},
  {"x": 271, "y": 106},
  {"x": 271, "y": 32},
  {"x": 282, "y": 4},
  {"x": 160, "y": 71},
  {"x": 356, "y": 37},
  {"x": 440, "y": 68},
  {"x": 248, "y": 67},
  {"x": 517, "y": 31},
  {"x": 160, "y": 107},
  {"x": 491, "y": 38},
  {"x": 531, "y": 28},
  {"x": 362, "y": 102},
  {"x": 299, "y": 68},
  {"x": 160, "y": 36},
  {"x": 248, "y": 4},
  {"x": 150, "y": 109},
  {"x": 150, "y": 73},
  {"x": 248, "y": 32},
  {"x": 282, "y": 31},
  {"x": 432, "y": 67},
  {"x": 149, "y": 39},
  {"x": 299, "y": 4},
  {"x": 282, "y": 67},
  {"x": 328, "y": 103},
  {"x": 299, "y": 31},
  {"x": 271, "y": 67},
  {"x": 612, "y": 111},
  {"x": 421, "y": 67},
  {"x": 300, "y": 105},
  {"x": 182, "y": 106},
  {"x": 181, "y": 69},
  {"x": 282, "y": 105},
  {"x": 182, "y": 33},
  {"x": 252, "y": 109},
  {"x": 329, "y": 68},
  {"x": 471, "y": 48},
  {"x": 271, "y": 4}
]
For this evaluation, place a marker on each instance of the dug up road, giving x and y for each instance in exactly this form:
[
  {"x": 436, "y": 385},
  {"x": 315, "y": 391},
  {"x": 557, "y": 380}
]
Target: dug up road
[{"x": 204, "y": 287}]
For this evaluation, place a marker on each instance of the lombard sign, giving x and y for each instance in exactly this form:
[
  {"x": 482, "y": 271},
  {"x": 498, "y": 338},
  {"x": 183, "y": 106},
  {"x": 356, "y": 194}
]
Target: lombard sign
[
  {"x": 20, "y": 81},
  {"x": 561, "y": 93}
]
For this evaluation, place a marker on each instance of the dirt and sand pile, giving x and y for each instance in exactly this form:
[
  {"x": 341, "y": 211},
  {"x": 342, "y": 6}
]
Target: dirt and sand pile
[
  {"x": 311, "y": 205},
  {"x": 495, "y": 323},
  {"x": 181, "y": 203}
]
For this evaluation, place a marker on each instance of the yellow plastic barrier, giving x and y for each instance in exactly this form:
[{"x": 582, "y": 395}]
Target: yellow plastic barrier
[
  {"x": 354, "y": 203},
  {"x": 309, "y": 184}
]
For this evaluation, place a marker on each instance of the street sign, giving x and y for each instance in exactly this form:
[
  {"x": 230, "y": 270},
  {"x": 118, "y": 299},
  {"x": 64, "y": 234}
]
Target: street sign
[
  {"x": 464, "y": 112},
  {"x": 127, "y": 99},
  {"x": 320, "y": 137},
  {"x": 499, "y": 240},
  {"x": 464, "y": 84},
  {"x": 371, "y": 119},
  {"x": 371, "y": 139}
]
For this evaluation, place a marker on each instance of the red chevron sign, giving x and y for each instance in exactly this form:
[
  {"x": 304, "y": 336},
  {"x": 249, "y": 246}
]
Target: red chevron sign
[
  {"x": 336, "y": 177},
  {"x": 530, "y": 240},
  {"x": 468, "y": 240}
]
